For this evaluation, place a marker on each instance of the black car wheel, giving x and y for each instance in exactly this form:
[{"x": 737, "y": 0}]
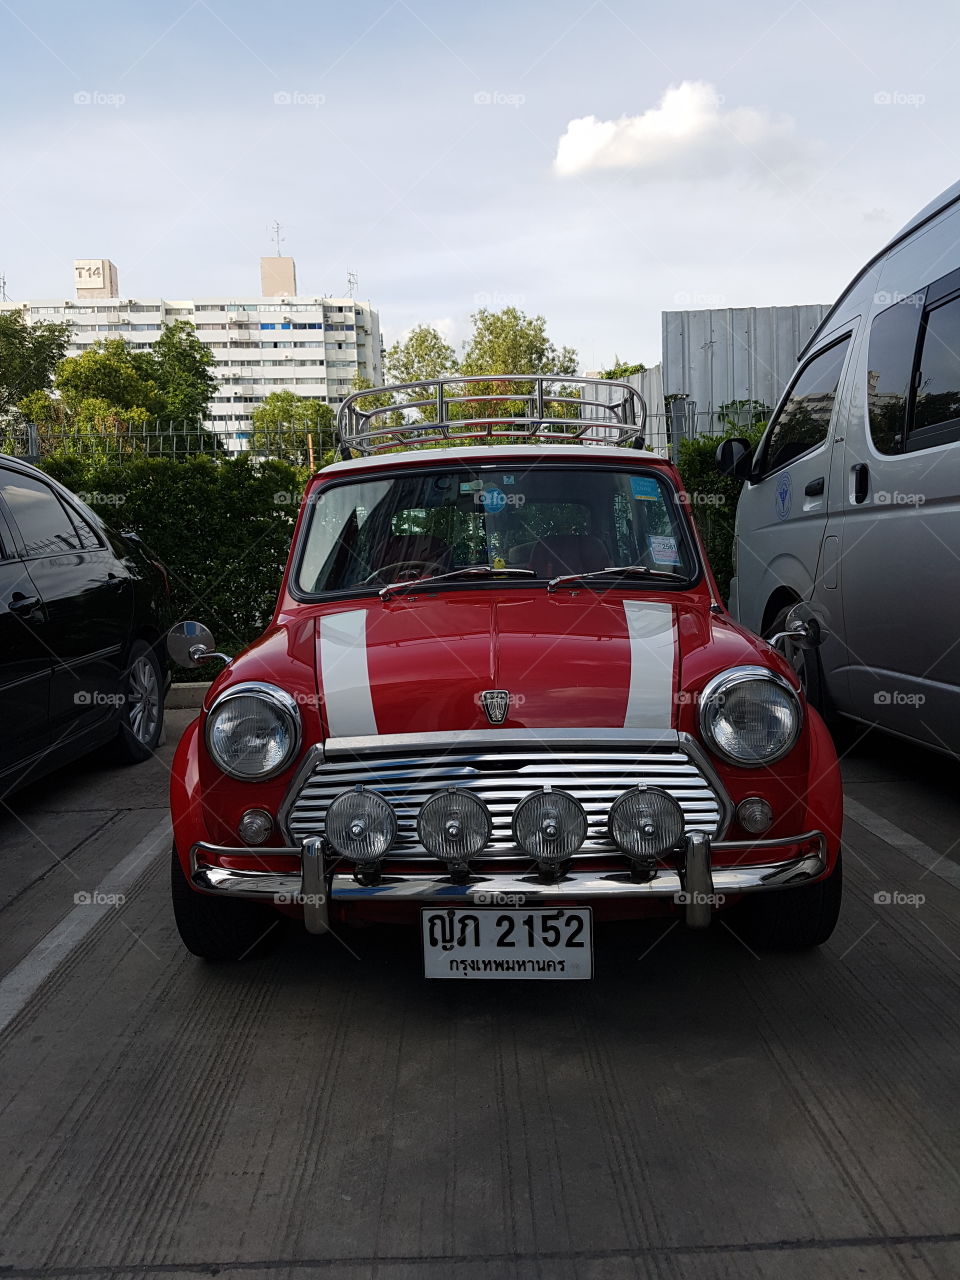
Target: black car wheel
[
  {"x": 790, "y": 919},
  {"x": 142, "y": 715},
  {"x": 220, "y": 928}
]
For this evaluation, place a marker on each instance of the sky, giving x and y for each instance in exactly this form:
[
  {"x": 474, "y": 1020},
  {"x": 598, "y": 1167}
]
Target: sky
[{"x": 597, "y": 163}]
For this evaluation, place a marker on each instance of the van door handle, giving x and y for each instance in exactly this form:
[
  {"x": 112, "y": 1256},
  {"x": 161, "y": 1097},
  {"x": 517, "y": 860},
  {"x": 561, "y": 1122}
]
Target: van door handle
[
  {"x": 814, "y": 488},
  {"x": 861, "y": 482}
]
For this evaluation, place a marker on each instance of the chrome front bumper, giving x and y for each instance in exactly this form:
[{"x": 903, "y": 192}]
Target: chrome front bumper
[{"x": 697, "y": 883}]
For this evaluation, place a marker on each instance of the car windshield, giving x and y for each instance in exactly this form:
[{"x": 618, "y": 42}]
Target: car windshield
[{"x": 549, "y": 520}]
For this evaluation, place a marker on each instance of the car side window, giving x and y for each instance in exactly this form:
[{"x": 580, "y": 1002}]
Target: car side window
[
  {"x": 890, "y": 359},
  {"x": 804, "y": 420},
  {"x": 43, "y": 522},
  {"x": 89, "y": 539},
  {"x": 936, "y": 414}
]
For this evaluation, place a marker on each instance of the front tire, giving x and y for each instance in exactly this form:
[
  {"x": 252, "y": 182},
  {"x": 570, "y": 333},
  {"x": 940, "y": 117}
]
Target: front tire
[
  {"x": 791, "y": 919},
  {"x": 220, "y": 929}
]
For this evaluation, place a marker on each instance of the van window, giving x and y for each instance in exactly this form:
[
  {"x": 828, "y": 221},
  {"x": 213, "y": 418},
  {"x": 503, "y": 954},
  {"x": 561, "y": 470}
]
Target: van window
[
  {"x": 936, "y": 417},
  {"x": 804, "y": 420},
  {"x": 893, "y": 346}
]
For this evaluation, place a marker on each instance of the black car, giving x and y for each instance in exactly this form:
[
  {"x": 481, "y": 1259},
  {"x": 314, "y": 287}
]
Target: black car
[{"x": 83, "y": 612}]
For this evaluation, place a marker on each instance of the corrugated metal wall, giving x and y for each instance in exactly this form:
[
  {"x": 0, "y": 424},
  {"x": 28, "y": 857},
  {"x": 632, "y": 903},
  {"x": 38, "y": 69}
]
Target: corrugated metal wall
[{"x": 734, "y": 353}]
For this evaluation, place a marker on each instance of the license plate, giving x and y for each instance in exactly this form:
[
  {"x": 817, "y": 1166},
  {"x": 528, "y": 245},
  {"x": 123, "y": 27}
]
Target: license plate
[{"x": 540, "y": 943}]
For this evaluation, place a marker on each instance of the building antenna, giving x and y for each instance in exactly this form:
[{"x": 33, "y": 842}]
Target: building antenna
[
  {"x": 3, "y": 288},
  {"x": 352, "y": 284},
  {"x": 275, "y": 230}
]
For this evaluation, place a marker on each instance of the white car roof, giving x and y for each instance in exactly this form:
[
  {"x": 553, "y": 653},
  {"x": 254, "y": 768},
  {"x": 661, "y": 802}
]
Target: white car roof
[{"x": 515, "y": 452}]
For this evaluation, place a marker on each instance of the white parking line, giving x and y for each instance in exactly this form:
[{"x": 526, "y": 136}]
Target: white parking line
[
  {"x": 26, "y": 978},
  {"x": 922, "y": 854}
]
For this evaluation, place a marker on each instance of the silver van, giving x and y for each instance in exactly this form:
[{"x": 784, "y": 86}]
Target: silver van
[{"x": 851, "y": 500}]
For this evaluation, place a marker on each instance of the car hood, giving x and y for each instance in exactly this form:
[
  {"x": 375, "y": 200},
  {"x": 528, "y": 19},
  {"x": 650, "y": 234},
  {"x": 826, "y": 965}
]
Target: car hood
[{"x": 565, "y": 660}]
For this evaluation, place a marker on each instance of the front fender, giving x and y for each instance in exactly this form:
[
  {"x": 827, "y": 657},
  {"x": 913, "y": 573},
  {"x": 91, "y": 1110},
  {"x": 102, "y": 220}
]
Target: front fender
[{"x": 186, "y": 803}]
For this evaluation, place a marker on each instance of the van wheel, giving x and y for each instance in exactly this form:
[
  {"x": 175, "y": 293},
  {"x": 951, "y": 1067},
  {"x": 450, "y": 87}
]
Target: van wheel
[
  {"x": 806, "y": 663},
  {"x": 220, "y": 928},
  {"x": 791, "y": 919}
]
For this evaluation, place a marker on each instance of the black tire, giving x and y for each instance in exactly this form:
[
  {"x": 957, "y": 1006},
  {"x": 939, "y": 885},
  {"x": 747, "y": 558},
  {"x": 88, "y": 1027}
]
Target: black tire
[
  {"x": 791, "y": 919},
  {"x": 220, "y": 928},
  {"x": 807, "y": 666},
  {"x": 141, "y": 718}
]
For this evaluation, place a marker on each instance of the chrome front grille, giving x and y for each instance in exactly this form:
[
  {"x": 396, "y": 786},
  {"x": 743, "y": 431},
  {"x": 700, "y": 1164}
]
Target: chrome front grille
[{"x": 502, "y": 777}]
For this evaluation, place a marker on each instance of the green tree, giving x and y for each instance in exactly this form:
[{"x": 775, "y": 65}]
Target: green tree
[
  {"x": 285, "y": 426},
  {"x": 180, "y": 366},
  {"x": 620, "y": 370},
  {"x": 29, "y": 353},
  {"x": 109, "y": 371},
  {"x": 422, "y": 355},
  {"x": 509, "y": 341}
]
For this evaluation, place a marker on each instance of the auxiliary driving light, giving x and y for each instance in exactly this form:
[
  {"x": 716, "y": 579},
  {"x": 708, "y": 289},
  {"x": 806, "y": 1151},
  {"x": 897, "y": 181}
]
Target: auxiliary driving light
[
  {"x": 254, "y": 826},
  {"x": 454, "y": 825},
  {"x": 754, "y": 815},
  {"x": 360, "y": 825},
  {"x": 550, "y": 826},
  {"x": 645, "y": 822}
]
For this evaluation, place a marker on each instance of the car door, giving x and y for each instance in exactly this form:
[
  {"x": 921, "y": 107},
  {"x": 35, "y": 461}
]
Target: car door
[
  {"x": 900, "y": 561},
  {"x": 87, "y": 597},
  {"x": 26, "y": 661},
  {"x": 782, "y": 512}
]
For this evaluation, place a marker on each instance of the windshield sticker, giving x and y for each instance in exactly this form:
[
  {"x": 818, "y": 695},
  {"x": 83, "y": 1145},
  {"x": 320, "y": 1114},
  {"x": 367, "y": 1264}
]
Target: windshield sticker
[
  {"x": 492, "y": 499},
  {"x": 645, "y": 487},
  {"x": 664, "y": 549},
  {"x": 783, "y": 498},
  {"x": 506, "y": 479},
  {"x": 471, "y": 486}
]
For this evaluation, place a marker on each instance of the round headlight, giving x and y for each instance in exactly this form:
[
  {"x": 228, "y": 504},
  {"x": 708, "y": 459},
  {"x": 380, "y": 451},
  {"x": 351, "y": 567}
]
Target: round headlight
[
  {"x": 750, "y": 716},
  {"x": 454, "y": 825},
  {"x": 550, "y": 826},
  {"x": 253, "y": 731},
  {"x": 360, "y": 825},
  {"x": 645, "y": 822}
]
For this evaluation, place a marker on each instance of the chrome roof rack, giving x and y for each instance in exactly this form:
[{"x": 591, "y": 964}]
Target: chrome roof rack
[{"x": 536, "y": 407}]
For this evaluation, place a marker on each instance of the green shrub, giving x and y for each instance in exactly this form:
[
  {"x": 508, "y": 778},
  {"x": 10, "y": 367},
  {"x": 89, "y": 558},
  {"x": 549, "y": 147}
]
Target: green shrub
[
  {"x": 221, "y": 526},
  {"x": 714, "y": 498}
]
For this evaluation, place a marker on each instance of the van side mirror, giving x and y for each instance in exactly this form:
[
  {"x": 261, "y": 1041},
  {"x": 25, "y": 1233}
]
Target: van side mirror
[
  {"x": 191, "y": 643},
  {"x": 735, "y": 458},
  {"x": 803, "y": 629}
]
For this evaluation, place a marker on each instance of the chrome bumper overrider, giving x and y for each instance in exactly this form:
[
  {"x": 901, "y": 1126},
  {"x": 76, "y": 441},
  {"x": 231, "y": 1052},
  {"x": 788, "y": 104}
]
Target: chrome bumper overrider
[{"x": 696, "y": 883}]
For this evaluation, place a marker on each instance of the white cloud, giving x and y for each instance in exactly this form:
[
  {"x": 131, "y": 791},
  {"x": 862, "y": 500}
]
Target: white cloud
[{"x": 687, "y": 135}]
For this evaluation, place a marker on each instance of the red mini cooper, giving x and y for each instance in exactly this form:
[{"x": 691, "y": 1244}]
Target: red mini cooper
[{"x": 500, "y": 699}]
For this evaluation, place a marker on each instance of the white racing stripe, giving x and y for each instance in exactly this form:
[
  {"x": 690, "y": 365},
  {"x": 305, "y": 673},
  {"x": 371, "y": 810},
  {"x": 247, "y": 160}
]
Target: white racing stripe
[
  {"x": 344, "y": 675},
  {"x": 653, "y": 657}
]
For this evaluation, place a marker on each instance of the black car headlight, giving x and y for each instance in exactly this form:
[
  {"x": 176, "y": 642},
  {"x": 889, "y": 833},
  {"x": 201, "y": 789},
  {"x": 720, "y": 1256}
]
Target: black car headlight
[
  {"x": 253, "y": 731},
  {"x": 750, "y": 716}
]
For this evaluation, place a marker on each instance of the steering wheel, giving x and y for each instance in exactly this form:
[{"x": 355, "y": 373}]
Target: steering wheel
[{"x": 418, "y": 568}]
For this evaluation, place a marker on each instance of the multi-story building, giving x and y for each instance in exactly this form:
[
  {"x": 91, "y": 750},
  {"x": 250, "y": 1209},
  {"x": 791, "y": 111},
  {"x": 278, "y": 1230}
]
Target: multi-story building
[{"x": 311, "y": 346}]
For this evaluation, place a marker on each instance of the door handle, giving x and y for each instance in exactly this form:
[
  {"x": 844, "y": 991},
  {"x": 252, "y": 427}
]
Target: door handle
[
  {"x": 814, "y": 488},
  {"x": 19, "y": 603},
  {"x": 861, "y": 482}
]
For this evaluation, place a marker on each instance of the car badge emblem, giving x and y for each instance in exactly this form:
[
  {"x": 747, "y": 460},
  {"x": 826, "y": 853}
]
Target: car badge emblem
[{"x": 495, "y": 703}]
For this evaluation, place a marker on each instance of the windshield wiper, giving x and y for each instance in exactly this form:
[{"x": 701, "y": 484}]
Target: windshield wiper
[
  {"x": 612, "y": 571},
  {"x": 470, "y": 571}
]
